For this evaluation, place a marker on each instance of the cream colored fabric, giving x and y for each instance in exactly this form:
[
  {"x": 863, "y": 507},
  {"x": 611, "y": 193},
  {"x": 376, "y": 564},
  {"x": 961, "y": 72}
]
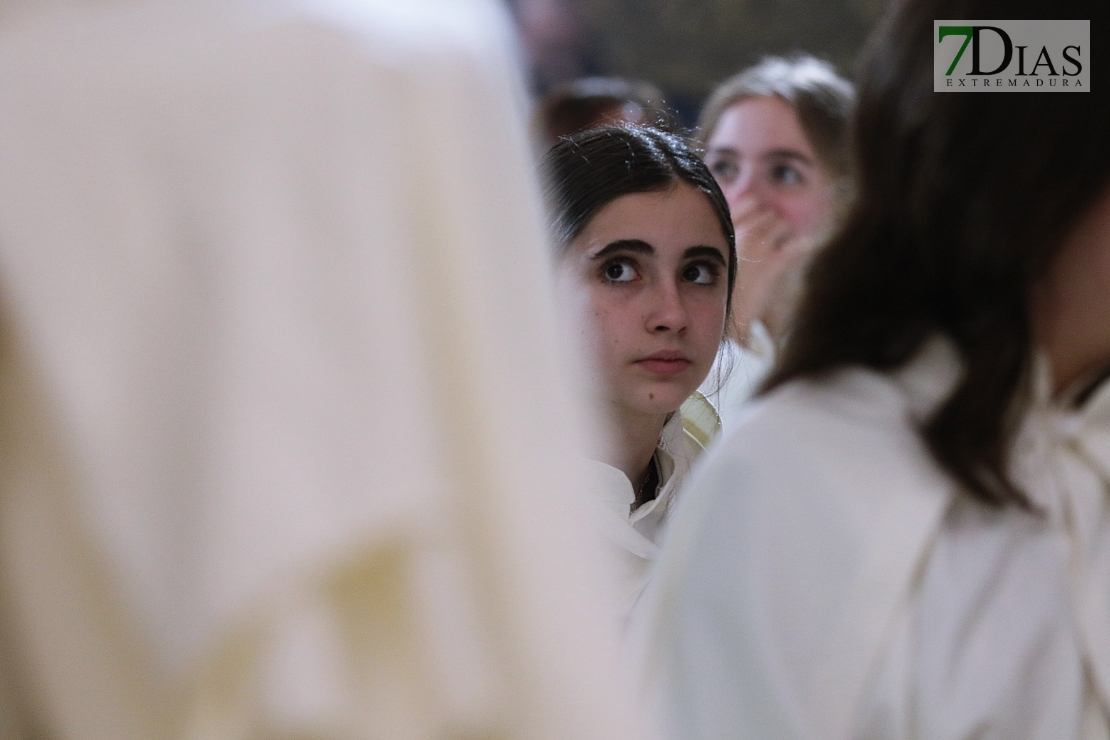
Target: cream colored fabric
[
  {"x": 737, "y": 373},
  {"x": 824, "y": 580},
  {"x": 638, "y": 535},
  {"x": 285, "y": 444}
]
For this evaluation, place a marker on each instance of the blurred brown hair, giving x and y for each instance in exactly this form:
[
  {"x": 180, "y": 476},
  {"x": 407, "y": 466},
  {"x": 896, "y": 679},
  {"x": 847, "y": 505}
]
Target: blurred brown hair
[{"x": 963, "y": 200}]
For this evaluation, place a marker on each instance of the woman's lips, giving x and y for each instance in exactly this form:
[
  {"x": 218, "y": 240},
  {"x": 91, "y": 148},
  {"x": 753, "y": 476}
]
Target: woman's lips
[{"x": 664, "y": 363}]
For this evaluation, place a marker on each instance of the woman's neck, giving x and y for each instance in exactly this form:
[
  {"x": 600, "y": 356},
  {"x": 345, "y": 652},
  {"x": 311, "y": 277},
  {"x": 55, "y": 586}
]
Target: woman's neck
[
  {"x": 635, "y": 437},
  {"x": 1069, "y": 302}
]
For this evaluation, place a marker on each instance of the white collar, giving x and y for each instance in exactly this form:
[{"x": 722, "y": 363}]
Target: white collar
[{"x": 929, "y": 377}]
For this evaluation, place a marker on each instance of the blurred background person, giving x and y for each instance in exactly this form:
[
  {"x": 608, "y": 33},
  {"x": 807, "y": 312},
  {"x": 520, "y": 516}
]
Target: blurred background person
[
  {"x": 908, "y": 535},
  {"x": 553, "y": 37},
  {"x": 284, "y": 447},
  {"x": 592, "y": 102},
  {"x": 776, "y": 139},
  {"x": 645, "y": 268},
  {"x": 684, "y": 47}
]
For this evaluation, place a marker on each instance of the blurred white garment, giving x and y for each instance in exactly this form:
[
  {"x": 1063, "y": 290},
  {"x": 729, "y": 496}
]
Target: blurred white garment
[
  {"x": 638, "y": 533},
  {"x": 737, "y": 372},
  {"x": 825, "y": 580},
  {"x": 284, "y": 439}
]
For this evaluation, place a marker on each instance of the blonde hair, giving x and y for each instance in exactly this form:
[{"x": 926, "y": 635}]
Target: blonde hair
[{"x": 821, "y": 98}]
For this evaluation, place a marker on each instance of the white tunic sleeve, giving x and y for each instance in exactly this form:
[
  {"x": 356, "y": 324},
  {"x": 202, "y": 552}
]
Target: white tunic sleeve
[
  {"x": 784, "y": 574},
  {"x": 285, "y": 444},
  {"x": 826, "y": 581},
  {"x": 987, "y": 646}
]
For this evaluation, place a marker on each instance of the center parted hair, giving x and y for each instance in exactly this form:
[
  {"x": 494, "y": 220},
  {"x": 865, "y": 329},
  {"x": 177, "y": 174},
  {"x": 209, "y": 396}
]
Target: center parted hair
[
  {"x": 586, "y": 171},
  {"x": 963, "y": 200},
  {"x": 821, "y": 99}
]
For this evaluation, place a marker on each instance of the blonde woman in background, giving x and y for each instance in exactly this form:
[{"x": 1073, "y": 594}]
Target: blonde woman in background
[{"x": 776, "y": 141}]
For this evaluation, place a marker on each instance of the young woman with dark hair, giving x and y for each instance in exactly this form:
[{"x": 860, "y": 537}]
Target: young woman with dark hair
[
  {"x": 909, "y": 534},
  {"x": 776, "y": 139},
  {"x": 645, "y": 269}
]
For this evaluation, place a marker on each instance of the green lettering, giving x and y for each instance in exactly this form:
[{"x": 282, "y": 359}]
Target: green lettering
[{"x": 965, "y": 31}]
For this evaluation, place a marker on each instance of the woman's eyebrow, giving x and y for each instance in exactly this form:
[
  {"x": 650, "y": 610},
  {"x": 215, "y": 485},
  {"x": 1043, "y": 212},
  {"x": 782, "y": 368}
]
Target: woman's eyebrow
[
  {"x": 705, "y": 251},
  {"x": 787, "y": 154},
  {"x": 723, "y": 151},
  {"x": 624, "y": 245}
]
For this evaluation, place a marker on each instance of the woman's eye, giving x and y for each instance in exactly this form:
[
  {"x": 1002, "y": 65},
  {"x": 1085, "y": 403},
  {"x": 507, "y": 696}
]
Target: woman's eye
[
  {"x": 724, "y": 170},
  {"x": 700, "y": 274},
  {"x": 619, "y": 272},
  {"x": 784, "y": 174}
]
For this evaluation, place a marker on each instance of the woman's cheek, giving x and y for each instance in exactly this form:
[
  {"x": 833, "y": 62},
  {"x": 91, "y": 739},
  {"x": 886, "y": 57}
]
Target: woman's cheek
[
  {"x": 810, "y": 212},
  {"x": 603, "y": 322},
  {"x": 710, "y": 322}
]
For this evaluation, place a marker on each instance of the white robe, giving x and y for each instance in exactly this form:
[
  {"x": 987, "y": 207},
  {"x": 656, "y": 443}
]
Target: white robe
[
  {"x": 737, "y": 372},
  {"x": 284, "y": 441},
  {"x": 638, "y": 534},
  {"x": 825, "y": 580}
]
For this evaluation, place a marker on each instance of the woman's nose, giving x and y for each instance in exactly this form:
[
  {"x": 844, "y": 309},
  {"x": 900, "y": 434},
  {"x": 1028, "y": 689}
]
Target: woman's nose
[
  {"x": 745, "y": 186},
  {"x": 668, "y": 310}
]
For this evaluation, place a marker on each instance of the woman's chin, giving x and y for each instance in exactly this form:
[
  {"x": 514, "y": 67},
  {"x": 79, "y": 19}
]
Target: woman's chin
[{"x": 661, "y": 401}]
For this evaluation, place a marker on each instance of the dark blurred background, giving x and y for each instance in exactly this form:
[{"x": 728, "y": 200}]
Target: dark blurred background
[{"x": 685, "y": 47}]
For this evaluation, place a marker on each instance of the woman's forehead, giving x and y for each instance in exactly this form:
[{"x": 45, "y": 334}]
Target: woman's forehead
[
  {"x": 679, "y": 217},
  {"x": 753, "y": 127}
]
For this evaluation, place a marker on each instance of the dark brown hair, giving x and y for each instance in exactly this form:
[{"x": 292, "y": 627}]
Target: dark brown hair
[
  {"x": 586, "y": 171},
  {"x": 963, "y": 200},
  {"x": 822, "y": 100}
]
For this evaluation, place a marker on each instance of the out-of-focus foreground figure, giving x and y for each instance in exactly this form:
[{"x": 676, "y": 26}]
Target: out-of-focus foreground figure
[
  {"x": 907, "y": 535},
  {"x": 284, "y": 443}
]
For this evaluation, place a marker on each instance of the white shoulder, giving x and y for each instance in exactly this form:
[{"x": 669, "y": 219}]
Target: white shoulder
[{"x": 788, "y": 557}]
